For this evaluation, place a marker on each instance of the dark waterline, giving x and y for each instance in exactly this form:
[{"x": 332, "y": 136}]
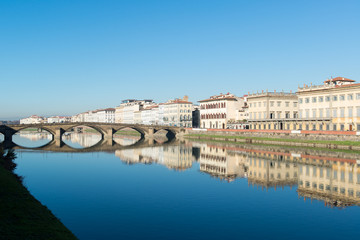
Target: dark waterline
[{"x": 183, "y": 191}]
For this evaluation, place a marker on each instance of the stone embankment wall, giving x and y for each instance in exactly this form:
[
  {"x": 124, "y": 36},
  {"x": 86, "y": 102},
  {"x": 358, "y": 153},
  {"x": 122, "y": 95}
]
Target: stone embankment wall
[{"x": 211, "y": 134}]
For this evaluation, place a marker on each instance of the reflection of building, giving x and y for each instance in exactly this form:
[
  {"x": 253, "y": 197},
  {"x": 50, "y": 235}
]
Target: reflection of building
[
  {"x": 35, "y": 136},
  {"x": 336, "y": 183},
  {"x": 172, "y": 156},
  {"x": 83, "y": 139},
  {"x": 269, "y": 170},
  {"x": 220, "y": 163},
  {"x": 178, "y": 157}
]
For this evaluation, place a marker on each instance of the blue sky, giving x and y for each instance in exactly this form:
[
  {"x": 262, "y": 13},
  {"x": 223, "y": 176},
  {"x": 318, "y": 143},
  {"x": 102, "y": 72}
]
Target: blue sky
[{"x": 69, "y": 56}]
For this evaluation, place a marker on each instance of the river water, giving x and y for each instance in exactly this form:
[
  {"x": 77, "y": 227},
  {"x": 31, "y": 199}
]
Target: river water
[{"x": 193, "y": 190}]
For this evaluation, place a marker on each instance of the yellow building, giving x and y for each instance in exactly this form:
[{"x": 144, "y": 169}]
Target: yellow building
[
  {"x": 272, "y": 110},
  {"x": 334, "y": 106}
]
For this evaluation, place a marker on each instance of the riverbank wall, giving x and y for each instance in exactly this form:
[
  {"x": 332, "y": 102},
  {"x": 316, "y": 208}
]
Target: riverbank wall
[{"x": 347, "y": 140}]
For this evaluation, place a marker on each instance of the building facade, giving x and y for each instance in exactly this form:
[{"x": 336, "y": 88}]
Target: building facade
[
  {"x": 34, "y": 119},
  {"x": 178, "y": 112},
  {"x": 333, "y": 106},
  {"x": 272, "y": 110},
  {"x": 218, "y": 110}
]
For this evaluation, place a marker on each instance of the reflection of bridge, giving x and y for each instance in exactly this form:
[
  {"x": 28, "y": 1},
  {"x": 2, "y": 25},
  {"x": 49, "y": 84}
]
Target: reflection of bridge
[
  {"x": 106, "y": 130},
  {"x": 102, "y": 146}
]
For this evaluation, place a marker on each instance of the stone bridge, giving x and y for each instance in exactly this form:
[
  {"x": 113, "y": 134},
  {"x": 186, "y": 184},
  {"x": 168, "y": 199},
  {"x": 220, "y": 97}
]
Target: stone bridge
[{"x": 106, "y": 130}]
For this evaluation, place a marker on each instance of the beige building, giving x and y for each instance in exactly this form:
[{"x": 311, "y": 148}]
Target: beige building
[
  {"x": 125, "y": 113},
  {"x": 177, "y": 112},
  {"x": 218, "y": 110},
  {"x": 335, "y": 105},
  {"x": 272, "y": 110}
]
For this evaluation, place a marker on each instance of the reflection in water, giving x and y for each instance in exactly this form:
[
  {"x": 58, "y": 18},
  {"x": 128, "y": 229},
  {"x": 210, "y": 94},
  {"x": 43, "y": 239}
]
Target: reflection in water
[
  {"x": 32, "y": 139},
  {"x": 81, "y": 140},
  {"x": 211, "y": 188},
  {"x": 126, "y": 140},
  {"x": 333, "y": 180},
  {"x": 177, "y": 157}
]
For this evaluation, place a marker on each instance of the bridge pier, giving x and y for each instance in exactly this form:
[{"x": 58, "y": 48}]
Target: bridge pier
[
  {"x": 109, "y": 134},
  {"x": 150, "y": 133}
]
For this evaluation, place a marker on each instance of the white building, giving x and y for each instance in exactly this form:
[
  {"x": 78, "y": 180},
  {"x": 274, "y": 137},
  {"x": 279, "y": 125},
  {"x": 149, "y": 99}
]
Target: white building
[
  {"x": 125, "y": 113},
  {"x": 218, "y": 110},
  {"x": 58, "y": 119},
  {"x": 178, "y": 112},
  {"x": 106, "y": 115},
  {"x": 34, "y": 119}
]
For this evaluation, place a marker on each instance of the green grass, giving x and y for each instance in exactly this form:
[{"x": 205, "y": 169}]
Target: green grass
[
  {"x": 24, "y": 217},
  {"x": 120, "y": 132},
  {"x": 346, "y": 143},
  {"x": 275, "y": 145}
]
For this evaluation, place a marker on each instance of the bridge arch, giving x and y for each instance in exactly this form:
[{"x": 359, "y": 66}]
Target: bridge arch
[
  {"x": 138, "y": 129},
  {"x": 49, "y": 130},
  {"x": 98, "y": 129}
]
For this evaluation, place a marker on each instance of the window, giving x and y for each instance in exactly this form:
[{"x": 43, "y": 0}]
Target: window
[
  {"x": 327, "y": 98},
  {"x": 314, "y": 99},
  {"x": 327, "y": 113},
  {"x": 264, "y": 104},
  {"x": 334, "y": 127},
  {"x": 314, "y": 113},
  {"x": 321, "y": 99},
  {"x": 254, "y": 104},
  {"x": 295, "y": 104},
  {"x": 358, "y": 96},
  {"x": 307, "y": 113},
  {"x": 271, "y": 104},
  {"x": 287, "y": 104},
  {"x": 300, "y": 101},
  {"x": 342, "y": 112},
  {"x": 350, "y": 112},
  {"x": 321, "y": 111},
  {"x": 350, "y": 97},
  {"x": 334, "y": 112},
  {"x": 342, "y": 97},
  {"x": 307, "y": 100},
  {"x": 259, "y": 104},
  {"x": 335, "y": 98},
  {"x": 279, "y": 104}
]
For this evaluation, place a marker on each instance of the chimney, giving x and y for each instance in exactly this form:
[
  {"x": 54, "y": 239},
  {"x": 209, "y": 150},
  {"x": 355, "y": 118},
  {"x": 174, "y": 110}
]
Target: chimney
[{"x": 186, "y": 98}]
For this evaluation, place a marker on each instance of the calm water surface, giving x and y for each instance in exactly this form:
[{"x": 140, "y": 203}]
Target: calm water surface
[{"x": 195, "y": 190}]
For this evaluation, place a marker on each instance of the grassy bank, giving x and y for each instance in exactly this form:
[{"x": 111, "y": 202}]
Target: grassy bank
[
  {"x": 21, "y": 215},
  {"x": 284, "y": 140},
  {"x": 121, "y": 132},
  {"x": 270, "y": 145}
]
